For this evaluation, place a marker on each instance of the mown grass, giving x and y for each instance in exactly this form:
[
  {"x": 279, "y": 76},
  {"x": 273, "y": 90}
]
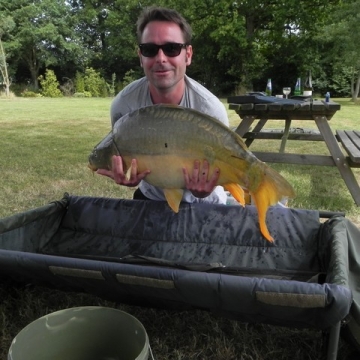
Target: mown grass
[
  {"x": 44, "y": 148},
  {"x": 44, "y": 145}
]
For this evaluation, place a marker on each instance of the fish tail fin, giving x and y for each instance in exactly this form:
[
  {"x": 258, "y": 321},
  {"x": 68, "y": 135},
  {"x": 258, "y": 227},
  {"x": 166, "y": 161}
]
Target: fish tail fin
[
  {"x": 271, "y": 189},
  {"x": 237, "y": 192},
  {"x": 173, "y": 198}
]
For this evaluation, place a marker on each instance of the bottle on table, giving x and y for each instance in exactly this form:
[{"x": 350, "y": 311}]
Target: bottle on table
[
  {"x": 268, "y": 90},
  {"x": 297, "y": 90},
  {"x": 308, "y": 88}
]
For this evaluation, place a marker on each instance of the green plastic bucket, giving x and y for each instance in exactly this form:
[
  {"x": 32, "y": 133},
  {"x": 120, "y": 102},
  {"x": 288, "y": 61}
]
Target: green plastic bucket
[{"x": 82, "y": 333}]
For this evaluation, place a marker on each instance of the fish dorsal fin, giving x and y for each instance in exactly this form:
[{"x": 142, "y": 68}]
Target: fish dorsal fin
[
  {"x": 237, "y": 192},
  {"x": 173, "y": 197}
]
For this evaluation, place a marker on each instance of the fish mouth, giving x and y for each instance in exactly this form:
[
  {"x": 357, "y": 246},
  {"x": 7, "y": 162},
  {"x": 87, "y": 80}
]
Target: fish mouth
[{"x": 92, "y": 167}]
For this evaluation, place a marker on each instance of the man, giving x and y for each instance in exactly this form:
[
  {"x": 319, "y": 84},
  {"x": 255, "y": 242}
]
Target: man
[{"x": 164, "y": 39}]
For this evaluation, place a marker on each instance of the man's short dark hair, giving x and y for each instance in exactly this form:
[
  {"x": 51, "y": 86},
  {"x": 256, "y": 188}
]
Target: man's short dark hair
[{"x": 155, "y": 13}]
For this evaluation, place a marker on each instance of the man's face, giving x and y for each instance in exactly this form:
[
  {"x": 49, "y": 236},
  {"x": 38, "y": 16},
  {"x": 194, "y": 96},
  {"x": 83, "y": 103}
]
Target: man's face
[{"x": 164, "y": 72}]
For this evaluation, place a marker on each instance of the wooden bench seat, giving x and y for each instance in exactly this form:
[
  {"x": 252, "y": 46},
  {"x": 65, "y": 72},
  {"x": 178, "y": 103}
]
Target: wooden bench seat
[{"x": 350, "y": 140}]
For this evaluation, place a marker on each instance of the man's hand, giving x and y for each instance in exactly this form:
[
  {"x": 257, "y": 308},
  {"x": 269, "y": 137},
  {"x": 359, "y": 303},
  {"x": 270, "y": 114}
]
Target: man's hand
[
  {"x": 118, "y": 175},
  {"x": 199, "y": 184}
]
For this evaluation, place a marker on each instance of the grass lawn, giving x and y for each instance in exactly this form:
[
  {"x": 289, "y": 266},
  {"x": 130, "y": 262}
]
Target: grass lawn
[{"x": 44, "y": 145}]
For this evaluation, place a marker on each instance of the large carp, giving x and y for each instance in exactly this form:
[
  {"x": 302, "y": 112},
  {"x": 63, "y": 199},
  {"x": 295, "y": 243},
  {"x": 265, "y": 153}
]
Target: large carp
[{"x": 167, "y": 138}]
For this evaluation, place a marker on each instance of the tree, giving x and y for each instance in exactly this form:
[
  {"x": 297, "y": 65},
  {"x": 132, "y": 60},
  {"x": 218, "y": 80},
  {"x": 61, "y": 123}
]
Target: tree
[
  {"x": 244, "y": 42},
  {"x": 6, "y": 24},
  {"x": 108, "y": 31},
  {"x": 341, "y": 38},
  {"x": 43, "y": 35},
  {"x": 237, "y": 44}
]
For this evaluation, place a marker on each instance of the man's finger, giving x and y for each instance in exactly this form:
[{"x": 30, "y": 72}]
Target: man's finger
[
  {"x": 204, "y": 171},
  {"x": 118, "y": 169},
  {"x": 105, "y": 172},
  {"x": 134, "y": 169},
  {"x": 214, "y": 177},
  {"x": 186, "y": 176},
  {"x": 196, "y": 170}
]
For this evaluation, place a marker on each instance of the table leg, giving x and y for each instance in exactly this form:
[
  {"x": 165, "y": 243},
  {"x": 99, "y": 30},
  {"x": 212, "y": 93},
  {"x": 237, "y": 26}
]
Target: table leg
[
  {"x": 285, "y": 136},
  {"x": 339, "y": 158},
  {"x": 256, "y": 129},
  {"x": 245, "y": 124}
]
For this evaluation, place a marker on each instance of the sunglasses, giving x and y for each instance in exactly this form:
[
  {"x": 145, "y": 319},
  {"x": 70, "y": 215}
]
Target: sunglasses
[{"x": 169, "y": 49}]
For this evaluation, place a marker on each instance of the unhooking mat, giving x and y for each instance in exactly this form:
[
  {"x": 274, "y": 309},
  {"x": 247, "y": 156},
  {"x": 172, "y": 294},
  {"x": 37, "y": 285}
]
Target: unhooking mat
[{"x": 207, "y": 256}]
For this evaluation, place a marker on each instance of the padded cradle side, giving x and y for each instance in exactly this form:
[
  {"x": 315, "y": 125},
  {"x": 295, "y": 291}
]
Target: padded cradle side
[
  {"x": 90, "y": 252},
  {"x": 341, "y": 261},
  {"x": 30, "y": 230},
  {"x": 199, "y": 233},
  {"x": 248, "y": 299}
]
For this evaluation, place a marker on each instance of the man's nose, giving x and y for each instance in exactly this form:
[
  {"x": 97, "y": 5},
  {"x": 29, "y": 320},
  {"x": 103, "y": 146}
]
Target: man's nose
[{"x": 161, "y": 57}]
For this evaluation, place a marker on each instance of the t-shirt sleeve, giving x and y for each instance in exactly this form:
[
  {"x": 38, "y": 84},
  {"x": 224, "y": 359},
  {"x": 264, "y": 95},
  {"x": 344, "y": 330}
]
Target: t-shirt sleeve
[
  {"x": 132, "y": 97},
  {"x": 201, "y": 99},
  {"x": 115, "y": 109},
  {"x": 218, "y": 111}
]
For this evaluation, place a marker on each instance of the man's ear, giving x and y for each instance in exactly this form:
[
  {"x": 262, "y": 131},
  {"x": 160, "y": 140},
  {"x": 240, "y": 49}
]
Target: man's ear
[{"x": 188, "y": 55}]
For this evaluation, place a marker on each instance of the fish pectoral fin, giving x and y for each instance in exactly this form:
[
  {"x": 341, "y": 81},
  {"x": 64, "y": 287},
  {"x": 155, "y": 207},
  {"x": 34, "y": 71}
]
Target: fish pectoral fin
[
  {"x": 237, "y": 192},
  {"x": 173, "y": 197}
]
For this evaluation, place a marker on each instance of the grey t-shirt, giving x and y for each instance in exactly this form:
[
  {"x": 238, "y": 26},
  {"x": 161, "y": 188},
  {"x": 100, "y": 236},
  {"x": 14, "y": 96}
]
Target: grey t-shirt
[{"x": 196, "y": 96}]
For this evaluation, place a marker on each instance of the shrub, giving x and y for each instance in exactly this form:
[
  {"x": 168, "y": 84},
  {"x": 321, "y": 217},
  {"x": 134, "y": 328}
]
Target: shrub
[
  {"x": 68, "y": 87},
  {"x": 94, "y": 83},
  {"x": 82, "y": 94},
  {"x": 28, "y": 93},
  {"x": 50, "y": 85},
  {"x": 18, "y": 89},
  {"x": 129, "y": 77},
  {"x": 79, "y": 83},
  {"x": 3, "y": 95},
  {"x": 112, "y": 87}
]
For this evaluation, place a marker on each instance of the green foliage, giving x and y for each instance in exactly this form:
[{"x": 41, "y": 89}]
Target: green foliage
[
  {"x": 29, "y": 93},
  {"x": 109, "y": 33},
  {"x": 67, "y": 88},
  {"x": 50, "y": 85},
  {"x": 44, "y": 34},
  {"x": 19, "y": 89},
  {"x": 79, "y": 82},
  {"x": 341, "y": 40},
  {"x": 129, "y": 77},
  {"x": 94, "y": 83},
  {"x": 112, "y": 87},
  {"x": 6, "y": 25},
  {"x": 237, "y": 44},
  {"x": 341, "y": 79},
  {"x": 85, "y": 94}
]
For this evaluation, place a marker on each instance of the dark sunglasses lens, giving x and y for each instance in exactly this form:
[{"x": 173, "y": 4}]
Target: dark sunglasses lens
[
  {"x": 149, "y": 50},
  {"x": 171, "y": 49}
]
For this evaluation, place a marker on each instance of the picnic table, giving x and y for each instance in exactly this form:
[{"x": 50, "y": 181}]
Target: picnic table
[{"x": 265, "y": 108}]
